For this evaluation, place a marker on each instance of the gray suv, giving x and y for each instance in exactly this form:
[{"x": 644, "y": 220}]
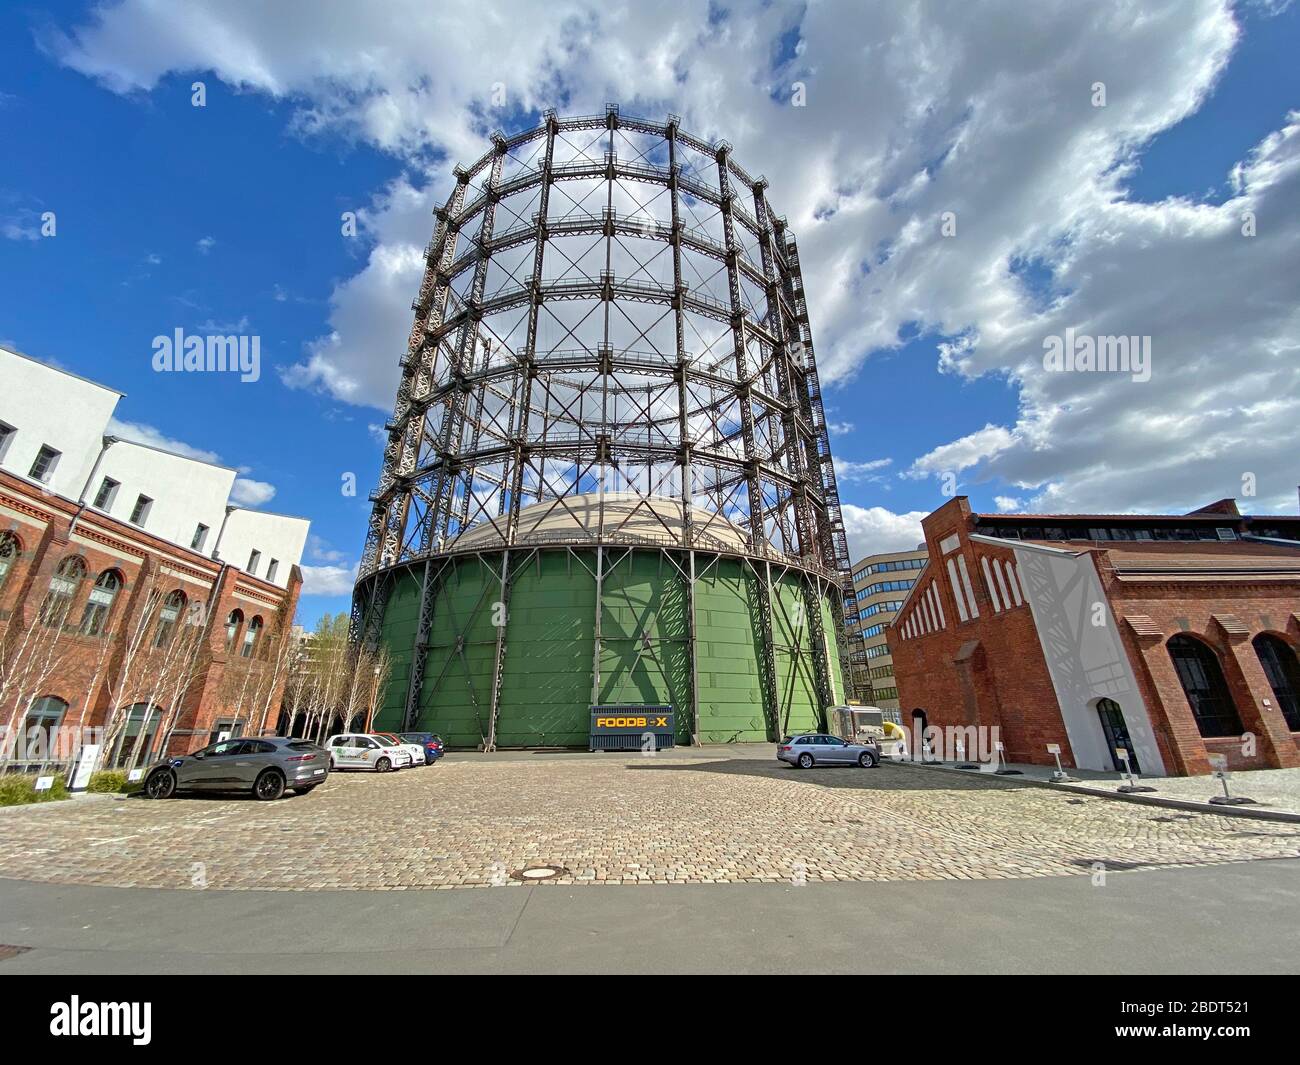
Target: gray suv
[
  {"x": 818, "y": 748},
  {"x": 265, "y": 765}
]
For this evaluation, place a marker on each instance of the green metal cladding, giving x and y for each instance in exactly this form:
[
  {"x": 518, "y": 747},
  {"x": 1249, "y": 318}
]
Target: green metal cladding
[{"x": 645, "y": 646}]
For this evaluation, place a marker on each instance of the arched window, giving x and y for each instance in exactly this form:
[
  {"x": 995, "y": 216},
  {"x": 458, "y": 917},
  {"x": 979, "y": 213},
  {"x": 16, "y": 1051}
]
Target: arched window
[
  {"x": 233, "y": 623},
  {"x": 1207, "y": 692},
  {"x": 168, "y": 617},
  {"x": 94, "y": 618},
  {"x": 10, "y": 549},
  {"x": 250, "y": 638},
  {"x": 135, "y": 745},
  {"x": 37, "y": 742},
  {"x": 63, "y": 588},
  {"x": 1283, "y": 672}
]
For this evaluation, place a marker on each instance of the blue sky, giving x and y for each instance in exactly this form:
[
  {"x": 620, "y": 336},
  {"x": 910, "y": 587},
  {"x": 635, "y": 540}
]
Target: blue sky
[{"x": 227, "y": 218}]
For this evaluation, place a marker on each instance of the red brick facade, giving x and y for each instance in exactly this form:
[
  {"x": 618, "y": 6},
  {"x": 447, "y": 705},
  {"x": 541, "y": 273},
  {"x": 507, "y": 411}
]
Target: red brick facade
[
  {"x": 89, "y": 675},
  {"x": 992, "y": 669}
]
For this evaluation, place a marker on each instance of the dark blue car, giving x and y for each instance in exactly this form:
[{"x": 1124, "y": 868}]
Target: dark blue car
[{"x": 431, "y": 742}]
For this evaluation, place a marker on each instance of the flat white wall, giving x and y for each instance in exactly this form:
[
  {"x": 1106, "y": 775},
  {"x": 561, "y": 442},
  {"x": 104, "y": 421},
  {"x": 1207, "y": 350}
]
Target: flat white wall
[
  {"x": 48, "y": 406},
  {"x": 276, "y": 536},
  {"x": 1086, "y": 661},
  {"x": 184, "y": 491}
]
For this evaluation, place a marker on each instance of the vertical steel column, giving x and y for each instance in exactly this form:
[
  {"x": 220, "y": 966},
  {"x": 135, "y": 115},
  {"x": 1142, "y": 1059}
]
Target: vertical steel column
[
  {"x": 406, "y": 427},
  {"x": 685, "y": 462},
  {"x": 453, "y": 425}
]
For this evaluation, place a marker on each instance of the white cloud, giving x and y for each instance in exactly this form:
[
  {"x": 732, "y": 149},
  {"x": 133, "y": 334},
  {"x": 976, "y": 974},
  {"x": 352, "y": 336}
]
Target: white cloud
[
  {"x": 328, "y": 580},
  {"x": 249, "y": 493},
  {"x": 205, "y": 244},
  {"x": 963, "y": 453},
  {"x": 1008, "y": 504},
  {"x": 873, "y": 530},
  {"x": 139, "y": 433},
  {"x": 850, "y": 472},
  {"x": 911, "y": 112},
  {"x": 319, "y": 550}
]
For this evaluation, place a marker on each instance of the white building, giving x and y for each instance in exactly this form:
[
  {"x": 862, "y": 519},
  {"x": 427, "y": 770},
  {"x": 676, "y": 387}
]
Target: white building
[{"x": 54, "y": 432}]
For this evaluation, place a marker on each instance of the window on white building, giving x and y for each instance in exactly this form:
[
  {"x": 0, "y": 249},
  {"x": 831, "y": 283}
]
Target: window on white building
[
  {"x": 200, "y": 537},
  {"x": 253, "y": 560},
  {"x": 272, "y": 569},
  {"x": 47, "y": 459},
  {"x": 107, "y": 493},
  {"x": 140, "y": 512}
]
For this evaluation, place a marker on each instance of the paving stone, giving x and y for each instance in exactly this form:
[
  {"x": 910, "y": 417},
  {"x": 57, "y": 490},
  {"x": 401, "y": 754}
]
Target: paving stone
[{"x": 462, "y": 823}]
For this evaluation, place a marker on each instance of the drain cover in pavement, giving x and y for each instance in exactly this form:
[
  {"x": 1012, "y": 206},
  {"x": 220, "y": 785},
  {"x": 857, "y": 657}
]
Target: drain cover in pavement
[{"x": 534, "y": 873}]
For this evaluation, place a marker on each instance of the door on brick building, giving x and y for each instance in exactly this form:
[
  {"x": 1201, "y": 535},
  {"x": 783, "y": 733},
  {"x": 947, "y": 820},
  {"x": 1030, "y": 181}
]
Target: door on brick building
[
  {"x": 1112, "y": 724},
  {"x": 920, "y": 721}
]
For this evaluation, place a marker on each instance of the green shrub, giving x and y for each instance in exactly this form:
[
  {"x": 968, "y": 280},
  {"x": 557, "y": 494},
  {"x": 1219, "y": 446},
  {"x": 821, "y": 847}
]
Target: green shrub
[
  {"x": 17, "y": 789},
  {"x": 111, "y": 781}
]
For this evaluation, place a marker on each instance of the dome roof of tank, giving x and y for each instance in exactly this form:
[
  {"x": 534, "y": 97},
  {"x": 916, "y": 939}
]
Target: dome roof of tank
[{"x": 617, "y": 518}]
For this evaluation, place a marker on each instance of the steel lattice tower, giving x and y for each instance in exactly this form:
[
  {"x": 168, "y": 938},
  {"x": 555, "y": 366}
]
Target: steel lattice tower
[{"x": 611, "y": 353}]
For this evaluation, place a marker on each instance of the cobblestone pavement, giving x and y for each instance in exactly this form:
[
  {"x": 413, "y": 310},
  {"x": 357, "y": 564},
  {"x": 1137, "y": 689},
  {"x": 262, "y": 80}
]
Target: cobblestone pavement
[{"x": 617, "y": 819}]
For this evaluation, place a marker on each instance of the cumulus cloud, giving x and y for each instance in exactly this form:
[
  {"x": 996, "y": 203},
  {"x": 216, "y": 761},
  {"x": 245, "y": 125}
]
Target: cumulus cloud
[
  {"x": 249, "y": 493},
  {"x": 328, "y": 580},
  {"x": 872, "y": 530},
  {"x": 913, "y": 115}
]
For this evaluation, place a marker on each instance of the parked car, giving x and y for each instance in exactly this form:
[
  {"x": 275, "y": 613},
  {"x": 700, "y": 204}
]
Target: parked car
[
  {"x": 418, "y": 756},
  {"x": 818, "y": 748},
  {"x": 265, "y": 765},
  {"x": 430, "y": 741},
  {"x": 351, "y": 750}
]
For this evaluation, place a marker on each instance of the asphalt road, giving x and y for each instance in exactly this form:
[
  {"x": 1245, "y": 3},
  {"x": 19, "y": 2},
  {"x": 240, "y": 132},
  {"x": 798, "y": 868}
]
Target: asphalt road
[{"x": 1229, "y": 918}]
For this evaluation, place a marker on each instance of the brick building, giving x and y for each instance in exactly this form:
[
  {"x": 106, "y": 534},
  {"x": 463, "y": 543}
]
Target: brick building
[
  {"x": 134, "y": 597},
  {"x": 1172, "y": 636}
]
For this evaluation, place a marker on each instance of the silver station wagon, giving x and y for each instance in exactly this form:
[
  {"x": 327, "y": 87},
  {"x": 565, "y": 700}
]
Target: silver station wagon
[{"x": 817, "y": 748}]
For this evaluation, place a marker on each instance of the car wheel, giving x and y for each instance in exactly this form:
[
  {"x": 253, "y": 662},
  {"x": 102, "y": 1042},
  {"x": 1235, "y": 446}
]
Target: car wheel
[
  {"x": 867, "y": 760},
  {"x": 805, "y": 760},
  {"x": 269, "y": 785},
  {"x": 333, "y": 766},
  {"x": 161, "y": 784},
  {"x": 383, "y": 765}
]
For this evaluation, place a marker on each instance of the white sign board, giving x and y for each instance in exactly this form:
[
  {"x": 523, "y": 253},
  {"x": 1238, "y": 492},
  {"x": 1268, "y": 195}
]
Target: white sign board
[
  {"x": 86, "y": 759},
  {"x": 134, "y": 775},
  {"x": 998, "y": 746},
  {"x": 44, "y": 783},
  {"x": 1053, "y": 748}
]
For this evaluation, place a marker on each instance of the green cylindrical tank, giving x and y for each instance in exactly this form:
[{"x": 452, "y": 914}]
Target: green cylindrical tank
[{"x": 708, "y": 662}]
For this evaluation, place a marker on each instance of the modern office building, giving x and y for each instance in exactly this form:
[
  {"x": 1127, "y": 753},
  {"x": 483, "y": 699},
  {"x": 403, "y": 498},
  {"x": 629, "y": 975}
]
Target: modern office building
[
  {"x": 134, "y": 596},
  {"x": 1170, "y": 637},
  {"x": 880, "y": 584}
]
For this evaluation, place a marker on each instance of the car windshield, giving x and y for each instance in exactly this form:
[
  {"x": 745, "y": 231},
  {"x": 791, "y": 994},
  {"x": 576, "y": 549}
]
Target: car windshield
[
  {"x": 385, "y": 741},
  {"x": 413, "y": 737}
]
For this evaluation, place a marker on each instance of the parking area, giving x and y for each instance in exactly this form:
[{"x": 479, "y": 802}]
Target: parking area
[{"x": 716, "y": 816}]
